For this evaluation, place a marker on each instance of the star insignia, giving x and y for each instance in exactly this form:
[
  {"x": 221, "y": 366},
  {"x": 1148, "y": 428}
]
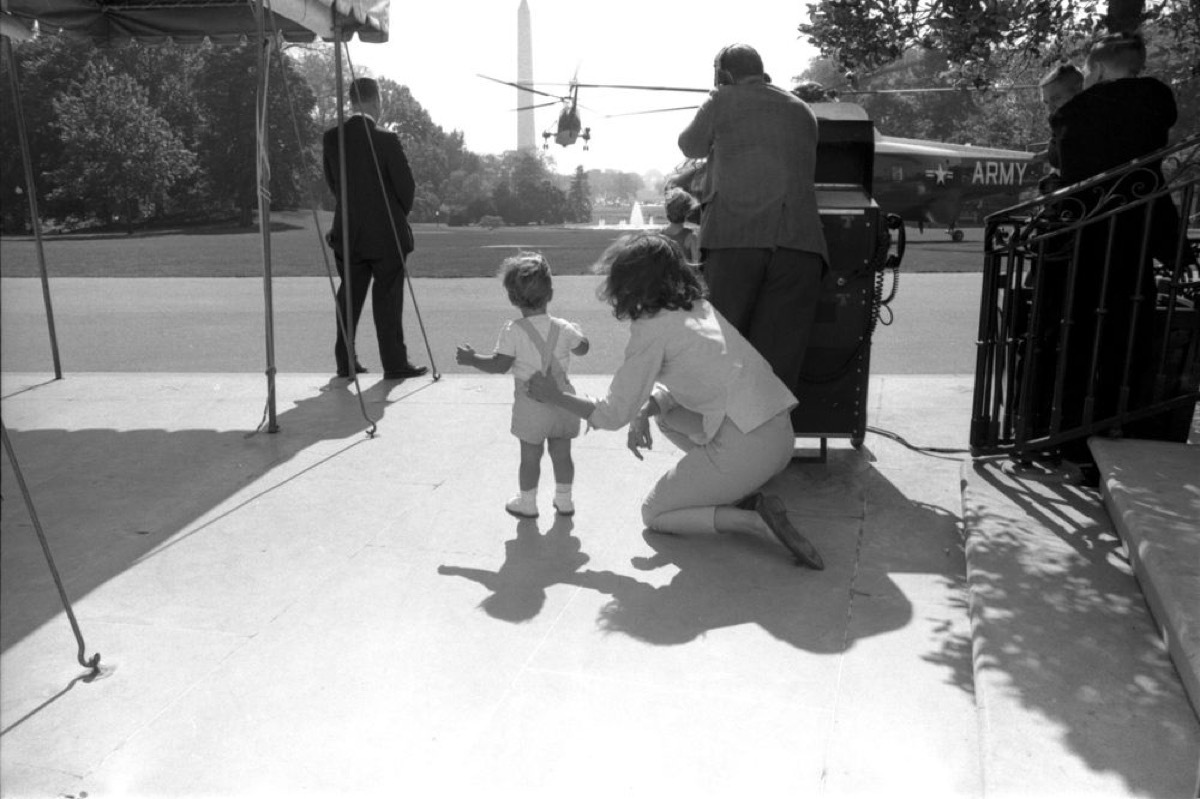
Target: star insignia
[{"x": 940, "y": 174}]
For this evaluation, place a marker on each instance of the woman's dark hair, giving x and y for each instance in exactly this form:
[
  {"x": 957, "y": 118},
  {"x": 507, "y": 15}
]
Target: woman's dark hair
[{"x": 647, "y": 273}]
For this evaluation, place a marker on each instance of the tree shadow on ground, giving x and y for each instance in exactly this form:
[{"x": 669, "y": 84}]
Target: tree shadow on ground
[
  {"x": 107, "y": 497},
  {"x": 1062, "y": 627}
]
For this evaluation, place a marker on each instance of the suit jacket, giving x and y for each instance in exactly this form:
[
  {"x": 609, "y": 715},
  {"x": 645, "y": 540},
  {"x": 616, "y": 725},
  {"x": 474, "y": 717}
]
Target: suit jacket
[
  {"x": 1107, "y": 126},
  {"x": 1110, "y": 124},
  {"x": 761, "y": 145},
  {"x": 371, "y": 233}
]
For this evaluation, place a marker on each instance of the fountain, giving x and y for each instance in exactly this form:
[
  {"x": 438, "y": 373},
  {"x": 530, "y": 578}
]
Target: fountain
[{"x": 635, "y": 216}]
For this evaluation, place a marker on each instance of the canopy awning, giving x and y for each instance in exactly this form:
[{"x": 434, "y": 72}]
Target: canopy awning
[{"x": 194, "y": 21}]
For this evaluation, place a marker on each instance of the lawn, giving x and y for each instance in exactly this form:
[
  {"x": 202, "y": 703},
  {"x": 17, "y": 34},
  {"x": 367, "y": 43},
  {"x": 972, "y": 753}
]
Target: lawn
[{"x": 296, "y": 251}]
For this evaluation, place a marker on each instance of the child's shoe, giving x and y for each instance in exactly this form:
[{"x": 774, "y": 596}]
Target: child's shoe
[
  {"x": 564, "y": 506},
  {"x": 522, "y": 507}
]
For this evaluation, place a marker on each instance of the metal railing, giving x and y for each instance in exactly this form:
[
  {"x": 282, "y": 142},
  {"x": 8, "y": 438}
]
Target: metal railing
[{"x": 1088, "y": 321}]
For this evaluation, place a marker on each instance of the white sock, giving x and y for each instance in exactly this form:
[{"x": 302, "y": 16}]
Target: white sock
[
  {"x": 562, "y": 490},
  {"x": 529, "y": 496}
]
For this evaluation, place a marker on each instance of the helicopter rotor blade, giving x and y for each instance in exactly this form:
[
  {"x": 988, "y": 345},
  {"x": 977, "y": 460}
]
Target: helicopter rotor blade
[
  {"x": 643, "y": 88},
  {"x": 653, "y": 111},
  {"x": 522, "y": 87},
  {"x": 538, "y": 105}
]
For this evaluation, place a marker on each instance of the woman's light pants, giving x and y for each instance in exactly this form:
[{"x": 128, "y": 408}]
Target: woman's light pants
[{"x": 721, "y": 472}]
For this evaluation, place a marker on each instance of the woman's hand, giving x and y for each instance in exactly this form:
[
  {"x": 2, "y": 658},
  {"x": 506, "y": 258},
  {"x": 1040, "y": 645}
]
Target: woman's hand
[
  {"x": 542, "y": 388},
  {"x": 639, "y": 434}
]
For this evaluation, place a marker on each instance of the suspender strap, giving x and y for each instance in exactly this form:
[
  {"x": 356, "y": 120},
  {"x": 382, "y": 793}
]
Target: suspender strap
[{"x": 550, "y": 365}]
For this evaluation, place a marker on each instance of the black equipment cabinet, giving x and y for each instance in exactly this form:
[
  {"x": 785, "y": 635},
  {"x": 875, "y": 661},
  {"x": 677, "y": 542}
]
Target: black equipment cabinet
[{"x": 834, "y": 380}]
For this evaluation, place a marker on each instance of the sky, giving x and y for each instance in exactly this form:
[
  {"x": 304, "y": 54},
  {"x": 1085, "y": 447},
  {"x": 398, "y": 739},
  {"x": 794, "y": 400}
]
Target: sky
[{"x": 437, "y": 48}]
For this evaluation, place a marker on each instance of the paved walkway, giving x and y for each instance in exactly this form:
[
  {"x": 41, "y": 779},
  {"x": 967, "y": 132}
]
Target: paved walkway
[{"x": 319, "y": 613}]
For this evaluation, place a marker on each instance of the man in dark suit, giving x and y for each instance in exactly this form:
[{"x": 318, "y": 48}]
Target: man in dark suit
[
  {"x": 760, "y": 232},
  {"x": 1119, "y": 116},
  {"x": 380, "y": 194}
]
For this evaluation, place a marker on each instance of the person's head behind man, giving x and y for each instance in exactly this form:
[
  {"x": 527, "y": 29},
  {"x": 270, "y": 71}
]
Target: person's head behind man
[
  {"x": 738, "y": 63},
  {"x": 1116, "y": 56},
  {"x": 364, "y": 96},
  {"x": 1059, "y": 85}
]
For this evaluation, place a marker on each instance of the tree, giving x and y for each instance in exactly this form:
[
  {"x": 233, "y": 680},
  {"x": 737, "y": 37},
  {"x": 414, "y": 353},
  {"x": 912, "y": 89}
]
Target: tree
[
  {"x": 524, "y": 191},
  {"x": 46, "y": 66},
  {"x": 579, "y": 198},
  {"x": 862, "y": 36},
  {"x": 118, "y": 152},
  {"x": 228, "y": 144},
  {"x": 612, "y": 186}
]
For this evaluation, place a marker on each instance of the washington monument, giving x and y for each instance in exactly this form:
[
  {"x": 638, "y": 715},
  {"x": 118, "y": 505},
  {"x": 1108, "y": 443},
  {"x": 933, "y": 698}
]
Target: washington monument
[{"x": 526, "y": 140}]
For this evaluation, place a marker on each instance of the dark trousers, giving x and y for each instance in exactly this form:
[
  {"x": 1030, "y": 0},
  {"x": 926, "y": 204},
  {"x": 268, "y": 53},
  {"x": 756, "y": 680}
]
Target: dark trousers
[
  {"x": 771, "y": 297},
  {"x": 385, "y": 278}
]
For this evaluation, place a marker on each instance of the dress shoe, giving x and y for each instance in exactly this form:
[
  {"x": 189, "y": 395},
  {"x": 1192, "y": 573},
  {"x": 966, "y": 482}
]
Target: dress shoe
[
  {"x": 772, "y": 511},
  {"x": 358, "y": 368},
  {"x": 408, "y": 371}
]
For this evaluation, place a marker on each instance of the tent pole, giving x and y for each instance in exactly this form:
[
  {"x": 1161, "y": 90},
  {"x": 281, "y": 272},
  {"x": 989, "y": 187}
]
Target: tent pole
[
  {"x": 31, "y": 191},
  {"x": 264, "y": 208},
  {"x": 93, "y": 662},
  {"x": 344, "y": 206}
]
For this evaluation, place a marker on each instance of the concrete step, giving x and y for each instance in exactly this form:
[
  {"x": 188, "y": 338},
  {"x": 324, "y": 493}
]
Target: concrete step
[
  {"x": 1152, "y": 492},
  {"x": 1075, "y": 690}
]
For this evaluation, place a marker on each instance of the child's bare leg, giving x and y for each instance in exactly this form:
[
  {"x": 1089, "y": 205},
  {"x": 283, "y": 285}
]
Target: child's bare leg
[
  {"x": 564, "y": 474},
  {"x": 531, "y": 466},
  {"x": 560, "y": 458}
]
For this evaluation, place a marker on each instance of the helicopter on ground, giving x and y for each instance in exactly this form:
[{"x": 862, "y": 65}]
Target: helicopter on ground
[{"x": 936, "y": 182}]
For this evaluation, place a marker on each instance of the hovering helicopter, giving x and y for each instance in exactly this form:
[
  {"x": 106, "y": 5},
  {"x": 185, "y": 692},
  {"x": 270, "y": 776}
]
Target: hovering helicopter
[{"x": 569, "y": 128}]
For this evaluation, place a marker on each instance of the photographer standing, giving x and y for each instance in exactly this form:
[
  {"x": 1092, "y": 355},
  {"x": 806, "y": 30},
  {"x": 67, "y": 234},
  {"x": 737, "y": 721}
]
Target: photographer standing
[{"x": 760, "y": 233}]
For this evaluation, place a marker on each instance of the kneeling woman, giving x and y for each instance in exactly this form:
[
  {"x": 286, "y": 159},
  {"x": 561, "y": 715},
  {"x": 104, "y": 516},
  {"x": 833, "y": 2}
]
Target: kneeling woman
[{"x": 712, "y": 393}]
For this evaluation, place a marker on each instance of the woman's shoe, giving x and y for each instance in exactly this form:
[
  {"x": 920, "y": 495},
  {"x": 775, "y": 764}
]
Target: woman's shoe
[{"x": 772, "y": 511}]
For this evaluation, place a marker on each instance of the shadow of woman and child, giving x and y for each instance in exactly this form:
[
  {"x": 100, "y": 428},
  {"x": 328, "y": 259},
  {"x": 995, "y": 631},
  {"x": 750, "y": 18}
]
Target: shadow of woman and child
[{"x": 717, "y": 582}]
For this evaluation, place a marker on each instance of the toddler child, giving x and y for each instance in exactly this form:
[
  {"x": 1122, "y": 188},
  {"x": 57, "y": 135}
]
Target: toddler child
[
  {"x": 537, "y": 342},
  {"x": 679, "y": 206}
]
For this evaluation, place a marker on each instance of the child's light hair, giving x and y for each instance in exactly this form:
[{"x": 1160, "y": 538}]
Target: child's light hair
[
  {"x": 526, "y": 277},
  {"x": 1123, "y": 52},
  {"x": 679, "y": 205}
]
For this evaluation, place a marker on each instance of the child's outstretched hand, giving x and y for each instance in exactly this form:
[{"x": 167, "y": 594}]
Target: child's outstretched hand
[{"x": 464, "y": 354}]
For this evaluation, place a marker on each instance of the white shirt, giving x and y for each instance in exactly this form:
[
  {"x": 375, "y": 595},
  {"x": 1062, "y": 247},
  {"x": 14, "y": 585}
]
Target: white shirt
[
  {"x": 513, "y": 341},
  {"x": 697, "y": 360}
]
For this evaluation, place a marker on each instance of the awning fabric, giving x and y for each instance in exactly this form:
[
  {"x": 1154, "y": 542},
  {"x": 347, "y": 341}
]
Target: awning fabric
[{"x": 194, "y": 21}]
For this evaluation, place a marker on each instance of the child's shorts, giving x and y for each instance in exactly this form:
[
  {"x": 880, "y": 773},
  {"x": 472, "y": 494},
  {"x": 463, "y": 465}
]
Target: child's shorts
[{"x": 534, "y": 422}]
